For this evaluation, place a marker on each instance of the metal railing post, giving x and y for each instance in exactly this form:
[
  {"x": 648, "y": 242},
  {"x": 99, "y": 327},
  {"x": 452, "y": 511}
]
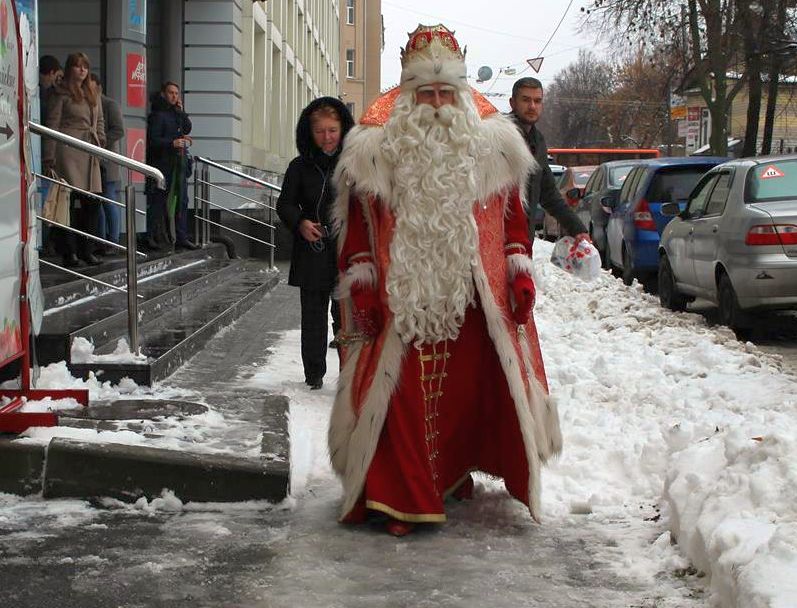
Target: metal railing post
[
  {"x": 197, "y": 169},
  {"x": 205, "y": 206},
  {"x": 132, "y": 276},
  {"x": 272, "y": 229}
]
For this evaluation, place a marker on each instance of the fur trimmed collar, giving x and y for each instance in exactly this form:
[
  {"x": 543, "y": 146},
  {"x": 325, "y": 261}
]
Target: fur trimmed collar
[{"x": 363, "y": 169}]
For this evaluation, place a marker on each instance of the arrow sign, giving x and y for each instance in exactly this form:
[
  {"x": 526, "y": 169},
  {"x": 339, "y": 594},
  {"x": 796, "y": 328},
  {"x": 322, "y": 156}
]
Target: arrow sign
[
  {"x": 7, "y": 131},
  {"x": 535, "y": 63}
]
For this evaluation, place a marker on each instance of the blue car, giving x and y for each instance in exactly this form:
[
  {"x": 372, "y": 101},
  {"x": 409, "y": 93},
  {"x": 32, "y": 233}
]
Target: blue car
[{"x": 636, "y": 221}]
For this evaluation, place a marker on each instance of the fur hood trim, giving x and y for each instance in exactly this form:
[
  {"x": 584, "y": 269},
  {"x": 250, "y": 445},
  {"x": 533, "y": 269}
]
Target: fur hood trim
[{"x": 508, "y": 164}]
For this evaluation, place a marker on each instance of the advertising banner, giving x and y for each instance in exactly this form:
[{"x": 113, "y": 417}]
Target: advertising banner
[
  {"x": 10, "y": 187},
  {"x": 136, "y": 80},
  {"x": 137, "y": 149}
]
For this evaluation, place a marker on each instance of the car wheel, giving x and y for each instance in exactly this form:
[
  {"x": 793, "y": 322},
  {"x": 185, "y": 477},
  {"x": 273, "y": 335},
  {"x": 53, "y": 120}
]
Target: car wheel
[
  {"x": 730, "y": 313},
  {"x": 628, "y": 267},
  {"x": 669, "y": 296}
]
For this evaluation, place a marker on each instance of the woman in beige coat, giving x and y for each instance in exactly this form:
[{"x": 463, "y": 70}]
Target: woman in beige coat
[{"x": 74, "y": 108}]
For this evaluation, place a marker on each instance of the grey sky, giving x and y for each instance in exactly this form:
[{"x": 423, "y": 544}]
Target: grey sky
[{"x": 498, "y": 33}]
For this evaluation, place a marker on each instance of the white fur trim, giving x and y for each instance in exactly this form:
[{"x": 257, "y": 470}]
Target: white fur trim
[
  {"x": 363, "y": 165},
  {"x": 510, "y": 164},
  {"x": 363, "y": 273},
  {"x": 359, "y": 445},
  {"x": 434, "y": 63},
  {"x": 531, "y": 426},
  {"x": 519, "y": 263}
]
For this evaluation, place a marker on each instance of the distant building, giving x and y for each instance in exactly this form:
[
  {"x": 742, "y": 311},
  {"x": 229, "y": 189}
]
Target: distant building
[
  {"x": 361, "y": 43},
  {"x": 246, "y": 67},
  {"x": 697, "y": 125}
]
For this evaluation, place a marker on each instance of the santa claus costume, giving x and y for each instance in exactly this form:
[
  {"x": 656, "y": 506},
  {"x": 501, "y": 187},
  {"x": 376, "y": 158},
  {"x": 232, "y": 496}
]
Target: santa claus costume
[{"x": 441, "y": 368}]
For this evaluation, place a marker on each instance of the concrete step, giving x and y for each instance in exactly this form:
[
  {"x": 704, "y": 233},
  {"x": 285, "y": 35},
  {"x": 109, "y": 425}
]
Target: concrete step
[{"x": 171, "y": 338}]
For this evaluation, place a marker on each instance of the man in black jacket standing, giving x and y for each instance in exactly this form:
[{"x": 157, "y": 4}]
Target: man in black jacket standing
[
  {"x": 526, "y": 104},
  {"x": 168, "y": 141}
]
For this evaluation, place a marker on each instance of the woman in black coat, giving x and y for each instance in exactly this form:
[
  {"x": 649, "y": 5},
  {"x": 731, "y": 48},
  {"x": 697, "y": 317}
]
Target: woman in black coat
[{"x": 304, "y": 206}]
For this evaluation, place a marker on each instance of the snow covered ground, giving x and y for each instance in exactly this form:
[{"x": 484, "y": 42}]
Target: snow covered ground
[{"x": 672, "y": 429}]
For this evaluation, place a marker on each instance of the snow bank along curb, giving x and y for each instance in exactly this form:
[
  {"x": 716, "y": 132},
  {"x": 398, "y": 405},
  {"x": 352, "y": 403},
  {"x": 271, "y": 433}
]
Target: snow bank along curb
[
  {"x": 727, "y": 497},
  {"x": 75, "y": 469}
]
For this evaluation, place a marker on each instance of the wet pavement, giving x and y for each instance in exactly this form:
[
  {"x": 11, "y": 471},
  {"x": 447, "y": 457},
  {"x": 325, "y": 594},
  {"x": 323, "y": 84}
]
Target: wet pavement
[{"x": 165, "y": 554}]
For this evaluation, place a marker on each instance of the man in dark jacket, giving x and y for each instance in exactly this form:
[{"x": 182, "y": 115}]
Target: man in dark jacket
[
  {"x": 526, "y": 104},
  {"x": 168, "y": 141}
]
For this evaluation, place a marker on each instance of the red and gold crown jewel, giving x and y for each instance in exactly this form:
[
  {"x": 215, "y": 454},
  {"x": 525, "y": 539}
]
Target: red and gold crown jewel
[
  {"x": 433, "y": 55},
  {"x": 422, "y": 38}
]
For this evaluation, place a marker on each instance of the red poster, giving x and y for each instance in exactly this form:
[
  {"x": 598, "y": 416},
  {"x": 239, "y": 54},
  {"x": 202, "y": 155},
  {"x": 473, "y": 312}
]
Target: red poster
[
  {"x": 136, "y": 149},
  {"x": 136, "y": 80}
]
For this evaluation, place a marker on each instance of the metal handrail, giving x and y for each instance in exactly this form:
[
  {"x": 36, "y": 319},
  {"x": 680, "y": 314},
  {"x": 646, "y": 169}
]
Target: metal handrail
[
  {"x": 87, "y": 277},
  {"x": 246, "y": 217},
  {"x": 130, "y": 216},
  {"x": 85, "y": 146},
  {"x": 241, "y": 196},
  {"x": 94, "y": 195},
  {"x": 215, "y": 165},
  {"x": 87, "y": 235},
  {"x": 248, "y": 236}
]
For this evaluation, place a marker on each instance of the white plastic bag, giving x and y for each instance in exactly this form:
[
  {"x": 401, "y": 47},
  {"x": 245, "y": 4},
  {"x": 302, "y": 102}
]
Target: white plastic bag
[{"x": 582, "y": 261}]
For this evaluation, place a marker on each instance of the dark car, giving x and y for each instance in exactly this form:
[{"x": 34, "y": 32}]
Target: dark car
[
  {"x": 605, "y": 183},
  {"x": 636, "y": 222},
  {"x": 539, "y": 216},
  {"x": 571, "y": 186}
]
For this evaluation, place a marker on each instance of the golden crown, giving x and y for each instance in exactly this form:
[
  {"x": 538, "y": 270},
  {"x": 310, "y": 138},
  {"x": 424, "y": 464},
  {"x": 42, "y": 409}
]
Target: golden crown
[{"x": 421, "y": 39}]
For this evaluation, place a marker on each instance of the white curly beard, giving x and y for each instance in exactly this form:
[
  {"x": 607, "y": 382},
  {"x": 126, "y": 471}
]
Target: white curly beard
[{"x": 434, "y": 154}]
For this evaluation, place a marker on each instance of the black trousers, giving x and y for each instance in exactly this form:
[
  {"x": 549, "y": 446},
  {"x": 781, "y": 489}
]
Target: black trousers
[
  {"x": 315, "y": 321},
  {"x": 83, "y": 215}
]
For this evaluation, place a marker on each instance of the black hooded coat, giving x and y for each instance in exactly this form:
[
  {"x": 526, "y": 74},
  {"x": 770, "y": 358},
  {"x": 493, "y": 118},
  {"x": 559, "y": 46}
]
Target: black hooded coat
[{"x": 308, "y": 193}]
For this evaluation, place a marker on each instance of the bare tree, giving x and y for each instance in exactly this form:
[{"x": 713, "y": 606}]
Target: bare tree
[{"x": 573, "y": 116}]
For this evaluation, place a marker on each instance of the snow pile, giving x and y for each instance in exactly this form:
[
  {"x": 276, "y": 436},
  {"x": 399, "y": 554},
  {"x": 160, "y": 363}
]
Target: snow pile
[
  {"x": 657, "y": 408},
  {"x": 48, "y": 405},
  {"x": 83, "y": 352},
  {"x": 733, "y": 499}
]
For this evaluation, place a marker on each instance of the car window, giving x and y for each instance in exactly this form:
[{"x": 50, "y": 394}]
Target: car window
[
  {"x": 639, "y": 183},
  {"x": 592, "y": 181},
  {"x": 617, "y": 175},
  {"x": 627, "y": 189},
  {"x": 674, "y": 183},
  {"x": 696, "y": 206},
  {"x": 719, "y": 195},
  {"x": 772, "y": 181}
]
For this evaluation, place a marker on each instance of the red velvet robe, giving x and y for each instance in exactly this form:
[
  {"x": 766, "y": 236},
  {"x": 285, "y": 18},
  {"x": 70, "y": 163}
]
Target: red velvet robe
[{"x": 402, "y": 436}]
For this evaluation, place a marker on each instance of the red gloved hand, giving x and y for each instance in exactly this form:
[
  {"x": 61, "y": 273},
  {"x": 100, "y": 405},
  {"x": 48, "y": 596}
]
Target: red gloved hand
[
  {"x": 525, "y": 294},
  {"x": 581, "y": 236},
  {"x": 367, "y": 312}
]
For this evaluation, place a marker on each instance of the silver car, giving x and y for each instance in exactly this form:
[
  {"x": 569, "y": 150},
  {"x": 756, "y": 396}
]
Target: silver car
[{"x": 735, "y": 243}]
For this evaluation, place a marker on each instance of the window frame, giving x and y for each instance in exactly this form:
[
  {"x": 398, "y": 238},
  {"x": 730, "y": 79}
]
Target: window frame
[
  {"x": 350, "y": 63},
  {"x": 350, "y": 12}
]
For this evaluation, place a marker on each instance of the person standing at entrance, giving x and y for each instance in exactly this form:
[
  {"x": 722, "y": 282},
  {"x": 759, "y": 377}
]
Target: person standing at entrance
[
  {"x": 74, "y": 108},
  {"x": 526, "y": 104},
  {"x": 303, "y": 207},
  {"x": 168, "y": 140},
  {"x": 110, "y": 214}
]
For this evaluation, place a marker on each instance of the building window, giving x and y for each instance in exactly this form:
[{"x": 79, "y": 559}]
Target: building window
[
  {"x": 350, "y": 108},
  {"x": 350, "y": 63},
  {"x": 350, "y": 12}
]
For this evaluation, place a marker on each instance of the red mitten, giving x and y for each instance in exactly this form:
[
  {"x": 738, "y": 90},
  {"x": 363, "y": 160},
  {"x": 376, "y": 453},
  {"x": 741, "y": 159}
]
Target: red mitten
[
  {"x": 367, "y": 313},
  {"x": 525, "y": 293}
]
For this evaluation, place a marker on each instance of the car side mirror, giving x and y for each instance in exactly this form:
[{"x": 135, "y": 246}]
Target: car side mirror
[
  {"x": 670, "y": 209},
  {"x": 610, "y": 202},
  {"x": 573, "y": 193}
]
